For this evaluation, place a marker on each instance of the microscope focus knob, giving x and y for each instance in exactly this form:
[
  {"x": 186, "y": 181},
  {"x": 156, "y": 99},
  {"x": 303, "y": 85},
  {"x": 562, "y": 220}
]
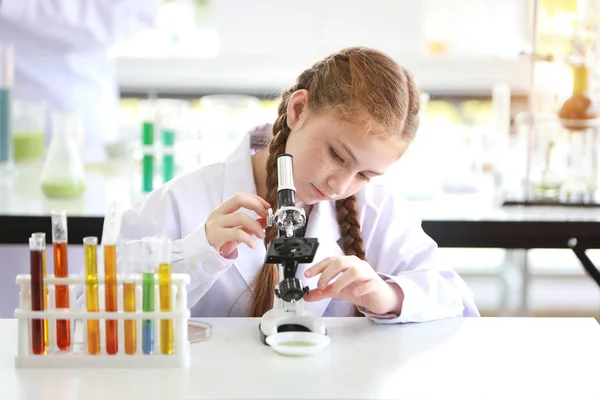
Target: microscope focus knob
[{"x": 291, "y": 289}]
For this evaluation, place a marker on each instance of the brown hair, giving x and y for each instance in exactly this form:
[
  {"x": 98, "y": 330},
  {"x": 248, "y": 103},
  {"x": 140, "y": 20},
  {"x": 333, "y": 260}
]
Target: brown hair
[{"x": 358, "y": 83}]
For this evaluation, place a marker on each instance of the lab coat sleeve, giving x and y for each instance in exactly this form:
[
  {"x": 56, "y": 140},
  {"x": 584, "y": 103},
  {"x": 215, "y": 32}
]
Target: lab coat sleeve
[
  {"x": 82, "y": 23},
  {"x": 192, "y": 254},
  {"x": 405, "y": 255}
]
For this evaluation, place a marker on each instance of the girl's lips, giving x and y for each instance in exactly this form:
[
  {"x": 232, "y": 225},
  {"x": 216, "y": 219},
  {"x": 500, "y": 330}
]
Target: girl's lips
[{"x": 320, "y": 194}]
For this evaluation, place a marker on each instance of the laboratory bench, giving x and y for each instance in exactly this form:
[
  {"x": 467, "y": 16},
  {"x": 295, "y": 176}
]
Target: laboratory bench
[
  {"x": 466, "y": 358},
  {"x": 453, "y": 220}
]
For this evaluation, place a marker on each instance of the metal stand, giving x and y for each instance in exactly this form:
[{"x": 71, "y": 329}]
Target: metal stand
[{"x": 589, "y": 266}]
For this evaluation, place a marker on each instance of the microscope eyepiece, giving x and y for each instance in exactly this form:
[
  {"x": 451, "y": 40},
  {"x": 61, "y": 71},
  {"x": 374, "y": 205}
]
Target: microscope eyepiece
[{"x": 285, "y": 176}]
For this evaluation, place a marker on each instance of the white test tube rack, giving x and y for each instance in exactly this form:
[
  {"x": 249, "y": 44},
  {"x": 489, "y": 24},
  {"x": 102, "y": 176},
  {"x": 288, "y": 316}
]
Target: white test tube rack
[{"x": 77, "y": 356}]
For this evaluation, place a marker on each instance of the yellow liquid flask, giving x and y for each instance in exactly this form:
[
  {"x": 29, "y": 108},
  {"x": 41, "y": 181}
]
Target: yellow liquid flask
[
  {"x": 164, "y": 287},
  {"x": 129, "y": 301},
  {"x": 90, "y": 244}
]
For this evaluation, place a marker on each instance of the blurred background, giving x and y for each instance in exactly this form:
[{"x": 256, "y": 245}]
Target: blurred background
[{"x": 509, "y": 89}]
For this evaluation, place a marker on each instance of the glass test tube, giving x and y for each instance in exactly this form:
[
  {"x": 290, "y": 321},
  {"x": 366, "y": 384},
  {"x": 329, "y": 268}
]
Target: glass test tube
[
  {"x": 110, "y": 271},
  {"x": 164, "y": 285},
  {"x": 110, "y": 233},
  {"x": 36, "y": 246},
  {"x": 129, "y": 298},
  {"x": 168, "y": 165},
  {"x": 148, "y": 156},
  {"x": 148, "y": 303},
  {"x": 61, "y": 270},
  {"x": 42, "y": 237},
  {"x": 90, "y": 244}
]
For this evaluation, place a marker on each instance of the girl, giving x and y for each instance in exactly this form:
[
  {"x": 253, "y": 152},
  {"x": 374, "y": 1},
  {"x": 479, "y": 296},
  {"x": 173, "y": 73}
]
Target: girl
[{"x": 347, "y": 119}]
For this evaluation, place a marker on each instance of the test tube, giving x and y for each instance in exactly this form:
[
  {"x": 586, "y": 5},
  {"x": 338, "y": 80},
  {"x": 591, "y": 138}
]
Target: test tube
[
  {"x": 61, "y": 270},
  {"x": 168, "y": 137},
  {"x": 164, "y": 286},
  {"x": 110, "y": 271},
  {"x": 148, "y": 157},
  {"x": 110, "y": 233},
  {"x": 129, "y": 298},
  {"x": 90, "y": 244},
  {"x": 36, "y": 246},
  {"x": 42, "y": 237},
  {"x": 148, "y": 305}
]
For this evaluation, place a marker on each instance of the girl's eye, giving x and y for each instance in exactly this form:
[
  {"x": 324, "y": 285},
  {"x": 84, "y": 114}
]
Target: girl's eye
[
  {"x": 336, "y": 155},
  {"x": 364, "y": 177}
]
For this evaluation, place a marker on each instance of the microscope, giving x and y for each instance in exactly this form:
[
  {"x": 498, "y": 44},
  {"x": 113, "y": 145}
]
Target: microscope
[{"x": 287, "y": 251}]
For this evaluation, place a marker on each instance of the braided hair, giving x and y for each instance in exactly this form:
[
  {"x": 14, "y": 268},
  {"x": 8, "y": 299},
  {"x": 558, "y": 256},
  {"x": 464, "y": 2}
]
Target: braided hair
[{"x": 354, "y": 81}]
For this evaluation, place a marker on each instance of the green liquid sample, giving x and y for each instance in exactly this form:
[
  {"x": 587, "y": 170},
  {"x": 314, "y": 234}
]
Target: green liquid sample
[
  {"x": 28, "y": 145},
  {"x": 148, "y": 292},
  {"x": 63, "y": 189},
  {"x": 298, "y": 343}
]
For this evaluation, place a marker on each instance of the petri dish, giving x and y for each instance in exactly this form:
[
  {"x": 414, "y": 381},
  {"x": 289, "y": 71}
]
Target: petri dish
[
  {"x": 298, "y": 344},
  {"x": 198, "y": 331}
]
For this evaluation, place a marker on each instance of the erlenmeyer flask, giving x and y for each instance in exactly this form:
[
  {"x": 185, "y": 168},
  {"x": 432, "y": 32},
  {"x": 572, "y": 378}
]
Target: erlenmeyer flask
[{"x": 63, "y": 174}]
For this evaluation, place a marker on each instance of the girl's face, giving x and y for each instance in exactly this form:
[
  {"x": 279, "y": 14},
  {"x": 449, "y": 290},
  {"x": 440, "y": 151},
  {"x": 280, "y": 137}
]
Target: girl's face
[{"x": 333, "y": 158}]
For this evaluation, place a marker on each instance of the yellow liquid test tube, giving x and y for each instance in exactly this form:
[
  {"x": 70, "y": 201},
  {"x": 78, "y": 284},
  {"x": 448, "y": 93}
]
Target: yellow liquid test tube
[
  {"x": 42, "y": 237},
  {"x": 90, "y": 244},
  {"x": 164, "y": 287},
  {"x": 129, "y": 303},
  {"x": 130, "y": 324}
]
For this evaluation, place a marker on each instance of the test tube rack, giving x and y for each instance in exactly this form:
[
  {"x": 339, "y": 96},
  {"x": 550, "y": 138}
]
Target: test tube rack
[{"x": 77, "y": 356}]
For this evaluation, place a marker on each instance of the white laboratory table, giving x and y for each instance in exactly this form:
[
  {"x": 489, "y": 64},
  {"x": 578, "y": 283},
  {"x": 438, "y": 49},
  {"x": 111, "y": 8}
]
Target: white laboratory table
[{"x": 478, "y": 358}]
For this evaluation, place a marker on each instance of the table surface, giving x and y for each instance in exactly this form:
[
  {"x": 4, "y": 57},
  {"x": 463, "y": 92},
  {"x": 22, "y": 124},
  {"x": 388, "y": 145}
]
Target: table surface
[{"x": 473, "y": 358}]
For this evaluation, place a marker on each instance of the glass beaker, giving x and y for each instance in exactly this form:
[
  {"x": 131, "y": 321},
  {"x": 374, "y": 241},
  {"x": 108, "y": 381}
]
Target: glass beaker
[
  {"x": 547, "y": 152},
  {"x": 6, "y": 82},
  {"x": 28, "y": 130},
  {"x": 582, "y": 148},
  {"x": 63, "y": 173}
]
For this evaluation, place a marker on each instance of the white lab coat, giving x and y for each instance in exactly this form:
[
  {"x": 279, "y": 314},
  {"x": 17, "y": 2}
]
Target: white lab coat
[
  {"x": 61, "y": 57},
  {"x": 396, "y": 246}
]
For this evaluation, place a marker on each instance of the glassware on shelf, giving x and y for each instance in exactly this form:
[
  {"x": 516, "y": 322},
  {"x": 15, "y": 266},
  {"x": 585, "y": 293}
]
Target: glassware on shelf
[
  {"x": 29, "y": 119},
  {"x": 6, "y": 84},
  {"x": 63, "y": 173}
]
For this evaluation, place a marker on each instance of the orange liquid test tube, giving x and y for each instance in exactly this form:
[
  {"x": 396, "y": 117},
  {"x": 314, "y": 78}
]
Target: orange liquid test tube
[
  {"x": 90, "y": 244},
  {"x": 110, "y": 294},
  {"x": 61, "y": 270},
  {"x": 110, "y": 232}
]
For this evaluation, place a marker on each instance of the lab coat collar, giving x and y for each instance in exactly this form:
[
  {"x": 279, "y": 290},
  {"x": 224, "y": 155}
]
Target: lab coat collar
[{"x": 322, "y": 224}]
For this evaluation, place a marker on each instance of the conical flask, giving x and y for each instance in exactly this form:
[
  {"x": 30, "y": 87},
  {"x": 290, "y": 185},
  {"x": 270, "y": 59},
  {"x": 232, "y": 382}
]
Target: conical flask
[{"x": 63, "y": 173}]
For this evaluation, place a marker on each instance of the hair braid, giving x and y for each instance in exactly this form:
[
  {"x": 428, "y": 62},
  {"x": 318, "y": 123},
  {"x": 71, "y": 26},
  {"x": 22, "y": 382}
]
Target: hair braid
[
  {"x": 363, "y": 86},
  {"x": 347, "y": 216},
  {"x": 268, "y": 278}
]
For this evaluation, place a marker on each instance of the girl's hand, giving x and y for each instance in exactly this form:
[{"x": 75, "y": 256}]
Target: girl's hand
[
  {"x": 226, "y": 228},
  {"x": 357, "y": 283}
]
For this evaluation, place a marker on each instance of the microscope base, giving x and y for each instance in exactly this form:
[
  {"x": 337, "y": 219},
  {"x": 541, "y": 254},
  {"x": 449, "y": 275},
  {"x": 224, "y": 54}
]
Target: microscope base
[{"x": 277, "y": 320}]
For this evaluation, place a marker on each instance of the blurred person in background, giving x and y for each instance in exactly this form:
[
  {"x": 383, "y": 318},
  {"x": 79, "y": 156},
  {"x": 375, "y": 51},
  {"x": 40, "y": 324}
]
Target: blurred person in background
[{"x": 61, "y": 58}]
